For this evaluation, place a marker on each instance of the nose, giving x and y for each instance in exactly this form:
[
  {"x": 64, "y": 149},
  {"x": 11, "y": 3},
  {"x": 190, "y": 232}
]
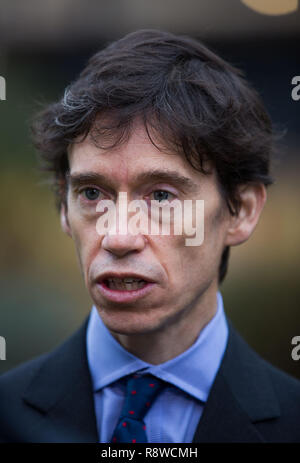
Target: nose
[
  {"x": 120, "y": 245},
  {"x": 120, "y": 239}
]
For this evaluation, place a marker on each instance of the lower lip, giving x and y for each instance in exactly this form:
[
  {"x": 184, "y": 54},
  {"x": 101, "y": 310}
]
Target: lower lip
[{"x": 124, "y": 296}]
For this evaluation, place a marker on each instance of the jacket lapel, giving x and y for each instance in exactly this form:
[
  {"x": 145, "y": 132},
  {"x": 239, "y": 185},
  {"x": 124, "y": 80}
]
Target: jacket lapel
[
  {"x": 62, "y": 391},
  {"x": 242, "y": 394}
]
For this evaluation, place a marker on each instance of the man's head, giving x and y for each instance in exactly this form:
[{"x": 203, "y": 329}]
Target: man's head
[{"x": 156, "y": 101}]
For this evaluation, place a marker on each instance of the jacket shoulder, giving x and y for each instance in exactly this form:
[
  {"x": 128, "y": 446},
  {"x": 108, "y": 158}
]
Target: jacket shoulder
[
  {"x": 270, "y": 396},
  {"x": 15, "y": 380},
  {"x": 287, "y": 390},
  {"x": 44, "y": 375},
  {"x": 13, "y": 384}
]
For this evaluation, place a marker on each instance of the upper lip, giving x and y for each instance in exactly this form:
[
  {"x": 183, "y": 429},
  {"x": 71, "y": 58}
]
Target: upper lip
[{"x": 123, "y": 275}]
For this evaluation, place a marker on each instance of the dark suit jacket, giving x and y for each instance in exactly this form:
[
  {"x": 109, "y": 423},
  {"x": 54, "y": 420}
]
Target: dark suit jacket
[{"x": 50, "y": 398}]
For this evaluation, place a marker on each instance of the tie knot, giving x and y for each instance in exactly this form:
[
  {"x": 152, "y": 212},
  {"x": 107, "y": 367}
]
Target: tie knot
[{"x": 140, "y": 394}]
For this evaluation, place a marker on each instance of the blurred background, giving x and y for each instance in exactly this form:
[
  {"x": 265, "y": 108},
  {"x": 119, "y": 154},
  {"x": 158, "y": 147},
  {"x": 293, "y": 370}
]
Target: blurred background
[{"x": 43, "y": 45}]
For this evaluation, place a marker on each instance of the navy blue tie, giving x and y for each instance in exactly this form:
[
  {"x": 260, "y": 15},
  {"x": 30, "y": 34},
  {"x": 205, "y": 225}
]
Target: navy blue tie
[{"x": 140, "y": 394}]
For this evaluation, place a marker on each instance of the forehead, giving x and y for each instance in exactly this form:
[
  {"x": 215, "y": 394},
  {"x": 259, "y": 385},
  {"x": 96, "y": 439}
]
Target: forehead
[{"x": 126, "y": 161}]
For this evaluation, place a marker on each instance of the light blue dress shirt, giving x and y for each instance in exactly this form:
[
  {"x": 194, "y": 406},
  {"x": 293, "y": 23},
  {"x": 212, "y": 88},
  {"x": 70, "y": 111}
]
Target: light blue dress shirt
[{"x": 175, "y": 414}]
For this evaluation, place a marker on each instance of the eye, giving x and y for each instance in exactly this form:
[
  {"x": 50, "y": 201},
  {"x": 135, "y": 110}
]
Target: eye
[
  {"x": 91, "y": 193},
  {"x": 162, "y": 195}
]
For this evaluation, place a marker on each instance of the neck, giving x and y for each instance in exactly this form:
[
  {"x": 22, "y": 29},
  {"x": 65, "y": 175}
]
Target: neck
[{"x": 173, "y": 339}]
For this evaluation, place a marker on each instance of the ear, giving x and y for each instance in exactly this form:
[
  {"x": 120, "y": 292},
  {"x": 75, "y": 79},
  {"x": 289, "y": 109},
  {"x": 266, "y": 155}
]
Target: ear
[
  {"x": 64, "y": 220},
  {"x": 252, "y": 199}
]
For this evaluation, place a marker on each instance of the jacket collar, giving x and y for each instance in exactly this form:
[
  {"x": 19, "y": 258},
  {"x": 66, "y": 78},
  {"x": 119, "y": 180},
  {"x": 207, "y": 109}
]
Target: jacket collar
[{"x": 241, "y": 395}]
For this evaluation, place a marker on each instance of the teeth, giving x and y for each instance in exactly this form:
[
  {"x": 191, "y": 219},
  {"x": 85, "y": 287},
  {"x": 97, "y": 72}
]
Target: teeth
[{"x": 126, "y": 284}]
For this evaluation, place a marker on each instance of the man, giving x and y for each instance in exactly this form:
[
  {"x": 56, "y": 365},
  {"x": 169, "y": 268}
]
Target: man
[{"x": 160, "y": 119}]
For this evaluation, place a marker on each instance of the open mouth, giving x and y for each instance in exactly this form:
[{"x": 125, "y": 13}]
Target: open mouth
[
  {"x": 124, "y": 289},
  {"x": 124, "y": 284}
]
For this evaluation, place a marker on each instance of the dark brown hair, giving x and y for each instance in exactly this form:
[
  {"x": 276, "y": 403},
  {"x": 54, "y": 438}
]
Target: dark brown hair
[{"x": 194, "y": 101}]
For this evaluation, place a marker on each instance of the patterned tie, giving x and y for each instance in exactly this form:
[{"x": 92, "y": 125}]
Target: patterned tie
[{"x": 140, "y": 394}]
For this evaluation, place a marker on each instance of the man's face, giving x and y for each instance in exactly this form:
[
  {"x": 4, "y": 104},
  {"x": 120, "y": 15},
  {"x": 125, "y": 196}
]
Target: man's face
[{"x": 182, "y": 277}]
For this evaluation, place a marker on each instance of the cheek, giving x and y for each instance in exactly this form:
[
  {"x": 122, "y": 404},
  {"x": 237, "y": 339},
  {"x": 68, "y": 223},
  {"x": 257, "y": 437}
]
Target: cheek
[
  {"x": 195, "y": 269},
  {"x": 191, "y": 265},
  {"x": 87, "y": 241},
  {"x": 179, "y": 261}
]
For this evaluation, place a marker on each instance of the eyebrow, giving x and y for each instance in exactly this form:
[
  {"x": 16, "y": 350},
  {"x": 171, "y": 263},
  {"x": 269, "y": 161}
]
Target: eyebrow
[
  {"x": 155, "y": 175},
  {"x": 85, "y": 178}
]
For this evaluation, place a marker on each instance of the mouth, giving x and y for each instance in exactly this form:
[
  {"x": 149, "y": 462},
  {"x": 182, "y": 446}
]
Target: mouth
[
  {"x": 125, "y": 284},
  {"x": 124, "y": 288}
]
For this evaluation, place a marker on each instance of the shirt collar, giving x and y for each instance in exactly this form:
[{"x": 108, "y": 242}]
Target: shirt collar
[{"x": 193, "y": 371}]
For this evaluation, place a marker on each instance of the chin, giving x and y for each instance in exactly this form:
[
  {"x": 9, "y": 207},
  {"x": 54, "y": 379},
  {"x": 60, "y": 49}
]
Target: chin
[{"x": 130, "y": 323}]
